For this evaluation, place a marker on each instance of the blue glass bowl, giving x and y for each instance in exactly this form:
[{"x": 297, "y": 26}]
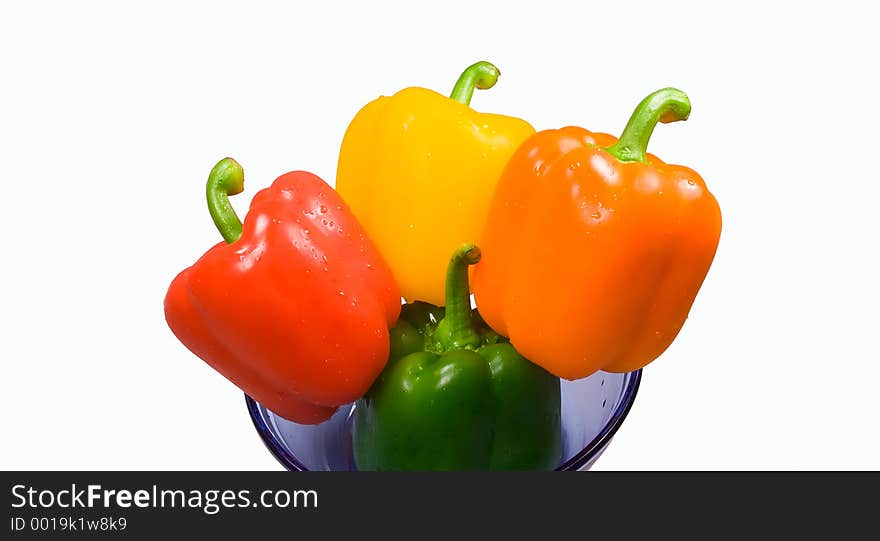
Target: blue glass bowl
[{"x": 593, "y": 409}]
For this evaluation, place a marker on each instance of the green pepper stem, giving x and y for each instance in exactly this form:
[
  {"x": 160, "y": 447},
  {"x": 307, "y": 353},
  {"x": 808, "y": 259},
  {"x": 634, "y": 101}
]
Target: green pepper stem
[
  {"x": 664, "y": 105},
  {"x": 481, "y": 75},
  {"x": 226, "y": 178},
  {"x": 456, "y": 330}
]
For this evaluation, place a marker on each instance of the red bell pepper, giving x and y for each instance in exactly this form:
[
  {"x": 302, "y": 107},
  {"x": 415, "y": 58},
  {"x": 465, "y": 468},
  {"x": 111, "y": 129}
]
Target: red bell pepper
[{"x": 295, "y": 308}]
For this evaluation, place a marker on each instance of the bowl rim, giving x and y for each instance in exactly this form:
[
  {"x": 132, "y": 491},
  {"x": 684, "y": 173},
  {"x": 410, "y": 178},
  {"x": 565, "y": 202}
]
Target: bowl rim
[{"x": 590, "y": 451}]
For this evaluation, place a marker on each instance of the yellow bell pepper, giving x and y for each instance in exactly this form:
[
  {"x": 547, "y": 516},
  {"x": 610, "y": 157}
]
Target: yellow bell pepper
[{"x": 418, "y": 170}]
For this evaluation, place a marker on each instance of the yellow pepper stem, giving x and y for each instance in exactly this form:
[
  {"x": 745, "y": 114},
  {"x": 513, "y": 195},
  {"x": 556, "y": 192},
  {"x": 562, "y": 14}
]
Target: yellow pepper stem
[{"x": 481, "y": 75}]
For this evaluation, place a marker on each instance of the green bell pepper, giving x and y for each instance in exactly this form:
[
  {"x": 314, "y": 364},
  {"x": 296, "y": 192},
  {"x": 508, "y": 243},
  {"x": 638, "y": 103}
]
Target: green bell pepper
[{"x": 455, "y": 395}]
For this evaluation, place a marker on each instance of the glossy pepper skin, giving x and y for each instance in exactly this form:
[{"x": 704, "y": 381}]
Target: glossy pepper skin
[
  {"x": 455, "y": 395},
  {"x": 410, "y": 162},
  {"x": 595, "y": 250},
  {"x": 295, "y": 307}
]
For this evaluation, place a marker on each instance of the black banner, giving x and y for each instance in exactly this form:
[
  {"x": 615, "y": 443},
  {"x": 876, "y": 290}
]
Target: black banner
[{"x": 135, "y": 505}]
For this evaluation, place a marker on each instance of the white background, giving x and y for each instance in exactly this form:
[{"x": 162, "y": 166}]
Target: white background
[{"x": 112, "y": 115}]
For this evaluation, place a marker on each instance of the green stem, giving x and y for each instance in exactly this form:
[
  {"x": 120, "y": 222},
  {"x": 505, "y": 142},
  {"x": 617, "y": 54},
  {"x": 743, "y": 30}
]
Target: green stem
[
  {"x": 227, "y": 178},
  {"x": 456, "y": 330},
  {"x": 665, "y": 105},
  {"x": 481, "y": 75}
]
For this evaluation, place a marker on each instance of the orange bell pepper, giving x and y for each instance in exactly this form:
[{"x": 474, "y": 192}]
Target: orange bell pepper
[{"x": 594, "y": 250}]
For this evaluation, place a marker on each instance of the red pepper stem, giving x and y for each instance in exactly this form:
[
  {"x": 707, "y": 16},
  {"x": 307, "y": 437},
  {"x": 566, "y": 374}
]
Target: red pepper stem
[
  {"x": 226, "y": 178},
  {"x": 456, "y": 330},
  {"x": 664, "y": 105},
  {"x": 481, "y": 75}
]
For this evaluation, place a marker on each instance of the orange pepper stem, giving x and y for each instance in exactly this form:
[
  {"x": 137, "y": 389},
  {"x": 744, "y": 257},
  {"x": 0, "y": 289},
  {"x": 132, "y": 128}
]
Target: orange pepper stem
[
  {"x": 481, "y": 75},
  {"x": 226, "y": 178},
  {"x": 664, "y": 105},
  {"x": 456, "y": 330}
]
